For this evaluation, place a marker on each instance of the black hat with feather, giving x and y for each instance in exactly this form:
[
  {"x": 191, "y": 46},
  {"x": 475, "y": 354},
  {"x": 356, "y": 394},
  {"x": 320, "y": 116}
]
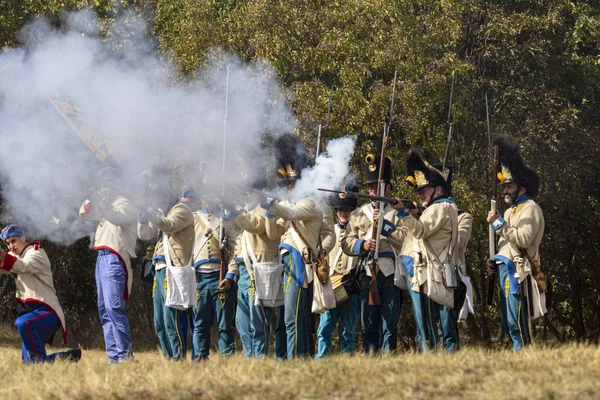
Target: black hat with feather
[{"x": 513, "y": 168}]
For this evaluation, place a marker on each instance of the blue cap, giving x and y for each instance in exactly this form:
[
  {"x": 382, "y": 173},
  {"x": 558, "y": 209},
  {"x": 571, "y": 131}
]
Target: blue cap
[
  {"x": 188, "y": 191},
  {"x": 11, "y": 230}
]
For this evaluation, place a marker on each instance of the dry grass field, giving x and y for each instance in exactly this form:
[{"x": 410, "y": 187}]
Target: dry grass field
[{"x": 571, "y": 371}]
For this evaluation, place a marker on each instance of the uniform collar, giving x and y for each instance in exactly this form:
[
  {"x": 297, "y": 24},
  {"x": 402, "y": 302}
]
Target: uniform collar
[
  {"x": 521, "y": 199},
  {"x": 342, "y": 226},
  {"x": 443, "y": 200}
]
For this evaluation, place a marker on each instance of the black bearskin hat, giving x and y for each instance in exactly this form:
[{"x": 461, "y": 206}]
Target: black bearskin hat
[
  {"x": 291, "y": 157},
  {"x": 513, "y": 168},
  {"x": 420, "y": 174}
]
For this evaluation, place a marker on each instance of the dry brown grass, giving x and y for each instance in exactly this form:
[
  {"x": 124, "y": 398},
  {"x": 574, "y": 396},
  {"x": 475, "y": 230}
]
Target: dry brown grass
[{"x": 563, "y": 372}]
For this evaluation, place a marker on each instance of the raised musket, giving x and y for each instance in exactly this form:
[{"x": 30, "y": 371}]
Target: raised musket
[
  {"x": 321, "y": 126},
  {"x": 450, "y": 128},
  {"x": 493, "y": 208},
  {"x": 222, "y": 233},
  {"x": 80, "y": 127},
  {"x": 372, "y": 260}
]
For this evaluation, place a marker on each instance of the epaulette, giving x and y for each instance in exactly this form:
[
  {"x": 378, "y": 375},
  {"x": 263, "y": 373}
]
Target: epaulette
[{"x": 36, "y": 245}]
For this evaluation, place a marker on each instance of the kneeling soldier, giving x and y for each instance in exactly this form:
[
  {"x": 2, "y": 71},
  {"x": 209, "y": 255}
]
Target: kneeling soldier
[{"x": 39, "y": 313}]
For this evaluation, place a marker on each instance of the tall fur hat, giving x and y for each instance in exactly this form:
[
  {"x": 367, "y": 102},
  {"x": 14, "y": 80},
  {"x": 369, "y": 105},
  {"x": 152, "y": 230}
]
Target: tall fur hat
[
  {"x": 420, "y": 174},
  {"x": 513, "y": 168},
  {"x": 291, "y": 157}
]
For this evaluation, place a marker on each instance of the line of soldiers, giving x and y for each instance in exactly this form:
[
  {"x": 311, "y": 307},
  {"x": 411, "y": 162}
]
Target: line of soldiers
[{"x": 273, "y": 253}]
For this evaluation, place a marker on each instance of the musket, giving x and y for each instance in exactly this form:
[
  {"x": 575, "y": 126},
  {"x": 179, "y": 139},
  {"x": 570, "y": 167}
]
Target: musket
[
  {"x": 450, "y": 127},
  {"x": 493, "y": 208},
  {"x": 222, "y": 235},
  {"x": 80, "y": 127},
  {"x": 391, "y": 200},
  {"x": 326, "y": 122},
  {"x": 372, "y": 260}
]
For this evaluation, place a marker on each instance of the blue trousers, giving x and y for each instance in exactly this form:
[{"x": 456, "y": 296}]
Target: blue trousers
[
  {"x": 347, "y": 312},
  {"x": 380, "y": 319},
  {"x": 449, "y": 323},
  {"x": 280, "y": 334},
  {"x": 111, "y": 281},
  {"x": 243, "y": 317},
  {"x": 514, "y": 311},
  {"x": 213, "y": 305},
  {"x": 425, "y": 311},
  {"x": 171, "y": 325},
  {"x": 35, "y": 329},
  {"x": 296, "y": 312}
]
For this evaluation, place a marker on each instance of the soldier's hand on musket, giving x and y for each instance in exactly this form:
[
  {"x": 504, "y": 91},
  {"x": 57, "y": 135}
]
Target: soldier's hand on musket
[
  {"x": 492, "y": 267},
  {"x": 225, "y": 285},
  {"x": 371, "y": 244},
  {"x": 398, "y": 206},
  {"x": 491, "y": 217},
  {"x": 376, "y": 214}
]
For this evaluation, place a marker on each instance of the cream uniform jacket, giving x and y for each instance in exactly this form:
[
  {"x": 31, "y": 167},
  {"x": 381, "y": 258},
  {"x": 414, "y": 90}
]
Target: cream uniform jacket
[
  {"x": 253, "y": 223},
  {"x": 434, "y": 226},
  {"x": 523, "y": 229},
  {"x": 312, "y": 224},
  {"x": 340, "y": 262},
  {"x": 465, "y": 226},
  {"x": 116, "y": 232},
  {"x": 33, "y": 278},
  {"x": 207, "y": 246},
  {"x": 361, "y": 223},
  {"x": 178, "y": 225}
]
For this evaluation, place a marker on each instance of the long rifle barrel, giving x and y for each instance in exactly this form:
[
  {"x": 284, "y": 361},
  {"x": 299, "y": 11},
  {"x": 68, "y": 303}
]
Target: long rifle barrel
[
  {"x": 450, "y": 125},
  {"x": 321, "y": 126},
  {"x": 384, "y": 199}
]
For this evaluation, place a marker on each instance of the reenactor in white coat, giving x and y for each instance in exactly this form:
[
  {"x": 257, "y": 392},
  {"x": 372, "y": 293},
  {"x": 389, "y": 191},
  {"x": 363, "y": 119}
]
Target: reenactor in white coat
[
  {"x": 517, "y": 262},
  {"x": 429, "y": 254},
  {"x": 39, "y": 314},
  {"x": 306, "y": 235},
  {"x": 215, "y": 296},
  {"x": 115, "y": 240},
  {"x": 340, "y": 265},
  {"x": 172, "y": 223},
  {"x": 378, "y": 320}
]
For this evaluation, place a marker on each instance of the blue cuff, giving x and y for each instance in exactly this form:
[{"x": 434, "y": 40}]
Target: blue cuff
[
  {"x": 269, "y": 214},
  {"x": 358, "y": 247},
  {"x": 388, "y": 228},
  {"x": 267, "y": 203},
  {"x": 230, "y": 276},
  {"x": 403, "y": 212},
  {"x": 498, "y": 224},
  {"x": 229, "y": 214},
  {"x": 143, "y": 217}
]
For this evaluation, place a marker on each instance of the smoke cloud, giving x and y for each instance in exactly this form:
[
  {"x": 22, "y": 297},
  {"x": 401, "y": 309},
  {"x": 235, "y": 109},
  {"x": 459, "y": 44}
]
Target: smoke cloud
[
  {"x": 329, "y": 172},
  {"x": 129, "y": 97}
]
